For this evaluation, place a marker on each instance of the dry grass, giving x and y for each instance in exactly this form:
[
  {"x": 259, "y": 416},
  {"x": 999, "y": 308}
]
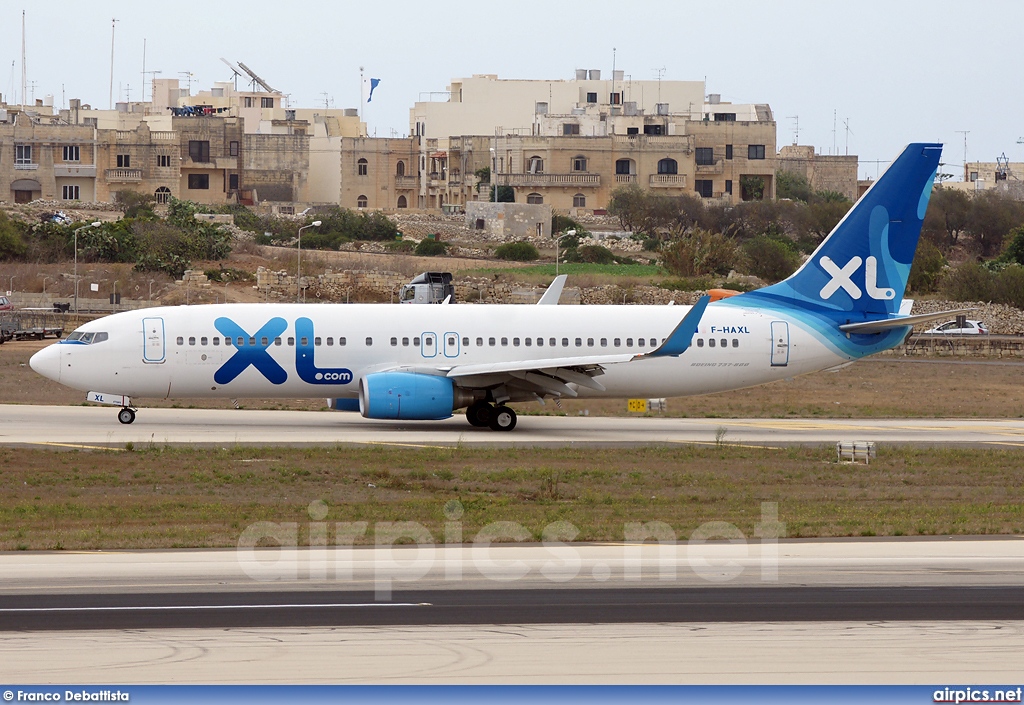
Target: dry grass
[{"x": 162, "y": 498}]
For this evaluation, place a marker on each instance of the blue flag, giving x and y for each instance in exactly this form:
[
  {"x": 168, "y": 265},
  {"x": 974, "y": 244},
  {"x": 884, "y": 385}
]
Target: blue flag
[{"x": 374, "y": 82}]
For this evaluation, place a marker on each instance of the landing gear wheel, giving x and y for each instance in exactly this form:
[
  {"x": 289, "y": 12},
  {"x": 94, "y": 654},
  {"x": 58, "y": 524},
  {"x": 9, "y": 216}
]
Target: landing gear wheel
[
  {"x": 504, "y": 419},
  {"x": 126, "y": 415},
  {"x": 479, "y": 414}
]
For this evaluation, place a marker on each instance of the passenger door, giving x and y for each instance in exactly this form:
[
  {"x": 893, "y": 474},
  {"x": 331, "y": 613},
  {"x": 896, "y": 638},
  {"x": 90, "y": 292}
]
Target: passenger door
[
  {"x": 780, "y": 343},
  {"x": 154, "y": 350}
]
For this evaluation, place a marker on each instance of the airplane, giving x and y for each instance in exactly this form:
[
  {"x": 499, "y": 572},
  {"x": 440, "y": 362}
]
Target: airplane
[{"x": 424, "y": 362}]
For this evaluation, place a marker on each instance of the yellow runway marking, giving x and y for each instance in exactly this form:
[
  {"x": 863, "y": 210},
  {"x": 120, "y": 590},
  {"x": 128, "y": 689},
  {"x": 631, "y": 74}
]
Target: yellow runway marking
[
  {"x": 72, "y": 445},
  {"x": 731, "y": 445}
]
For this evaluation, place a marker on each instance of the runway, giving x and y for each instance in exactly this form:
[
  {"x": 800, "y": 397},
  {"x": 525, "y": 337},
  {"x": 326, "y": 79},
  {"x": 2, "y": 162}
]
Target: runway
[
  {"x": 836, "y": 611},
  {"x": 59, "y": 426}
]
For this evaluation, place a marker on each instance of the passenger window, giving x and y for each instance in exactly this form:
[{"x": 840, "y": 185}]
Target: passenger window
[
  {"x": 735, "y": 342},
  {"x": 604, "y": 342},
  {"x": 240, "y": 342},
  {"x": 405, "y": 342},
  {"x": 465, "y": 342},
  {"x": 654, "y": 342},
  {"x": 711, "y": 342},
  {"x": 565, "y": 342},
  {"x": 451, "y": 341},
  {"x": 528, "y": 342},
  {"x": 252, "y": 342},
  {"x": 540, "y": 342},
  {"x": 590, "y": 342},
  {"x": 491, "y": 342},
  {"x": 725, "y": 343},
  {"x": 202, "y": 341},
  {"x": 180, "y": 341},
  {"x": 291, "y": 341},
  {"x": 394, "y": 342},
  {"x": 428, "y": 341},
  {"x": 216, "y": 340},
  {"x": 504, "y": 341},
  {"x": 480, "y": 342},
  {"x": 629, "y": 342},
  {"x": 515, "y": 342},
  {"x": 341, "y": 341},
  {"x": 552, "y": 342},
  {"x": 316, "y": 341},
  {"x": 618, "y": 342},
  {"x": 369, "y": 342},
  {"x": 277, "y": 341},
  {"x": 303, "y": 341},
  {"x": 416, "y": 341},
  {"x": 579, "y": 342},
  {"x": 191, "y": 341},
  {"x": 700, "y": 342},
  {"x": 330, "y": 342},
  {"x": 265, "y": 342},
  {"x": 227, "y": 341}
]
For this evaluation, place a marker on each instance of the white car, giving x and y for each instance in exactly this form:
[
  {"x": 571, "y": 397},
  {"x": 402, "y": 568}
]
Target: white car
[{"x": 954, "y": 328}]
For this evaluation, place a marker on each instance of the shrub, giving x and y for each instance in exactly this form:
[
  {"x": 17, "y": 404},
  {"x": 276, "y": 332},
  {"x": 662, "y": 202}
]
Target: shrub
[
  {"x": 591, "y": 254},
  {"x": 1009, "y": 286},
  {"x": 927, "y": 268},
  {"x": 701, "y": 253},
  {"x": 968, "y": 282},
  {"x": 400, "y": 246},
  {"x": 431, "y": 248},
  {"x": 770, "y": 258},
  {"x": 521, "y": 251},
  {"x": 563, "y": 223},
  {"x": 12, "y": 244}
]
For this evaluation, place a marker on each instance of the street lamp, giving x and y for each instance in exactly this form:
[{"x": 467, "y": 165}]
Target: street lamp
[
  {"x": 494, "y": 175},
  {"x": 298, "y": 265},
  {"x": 44, "y": 286},
  {"x": 10, "y": 285},
  {"x": 95, "y": 224},
  {"x": 558, "y": 239}
]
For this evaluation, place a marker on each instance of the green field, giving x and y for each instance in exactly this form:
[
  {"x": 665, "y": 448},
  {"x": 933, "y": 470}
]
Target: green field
[{"x": 618, "y": 270}]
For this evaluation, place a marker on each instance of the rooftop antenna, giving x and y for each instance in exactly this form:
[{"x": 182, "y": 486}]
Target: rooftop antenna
[
  {"x": 849, "y": 132},
  {"x": 235, "y": 71},
  {"x": 32, "y": 85},
  {"x": 256, "y": 79},
  {"x": 143, "y": 69},
  {"x": 834, "y": 150},
  {"x": 144, "y": 74},
  {"x": 113, "y": 26},
  {"x": 796, "y": 128},
  {"x": 964, "y": 133},
  {"x": 23, "y": 74},
  {"x": 187, "y": 75},
  {"x": 613, "y": 74},
  {"x": 660, "y": 72}
]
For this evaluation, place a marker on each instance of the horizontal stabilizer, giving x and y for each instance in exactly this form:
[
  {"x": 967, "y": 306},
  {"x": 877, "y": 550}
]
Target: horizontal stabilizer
[
  {"x": 554, "y": 292},
  {"x": 889, "y": 323}
]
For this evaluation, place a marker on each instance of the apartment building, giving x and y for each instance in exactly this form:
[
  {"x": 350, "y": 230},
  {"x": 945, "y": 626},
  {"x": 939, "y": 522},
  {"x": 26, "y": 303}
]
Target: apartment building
[
  {"x": 381, "y": 172},
  {"x": 42, "y": 158}
]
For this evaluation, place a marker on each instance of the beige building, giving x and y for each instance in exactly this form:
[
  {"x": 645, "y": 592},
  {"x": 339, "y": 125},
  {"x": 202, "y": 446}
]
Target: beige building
[
  {"x": 379, "y": 172},
  {"x": 823, "y": 172}
]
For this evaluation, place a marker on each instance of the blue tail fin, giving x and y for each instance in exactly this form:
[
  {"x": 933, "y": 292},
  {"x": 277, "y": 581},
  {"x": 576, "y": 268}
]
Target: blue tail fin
[{"x": 863, "y": 265}]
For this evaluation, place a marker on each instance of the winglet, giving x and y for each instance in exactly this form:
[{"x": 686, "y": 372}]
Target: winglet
[
  {"x": 554, "y": 292},
  {"x": 682, "y": 336}
]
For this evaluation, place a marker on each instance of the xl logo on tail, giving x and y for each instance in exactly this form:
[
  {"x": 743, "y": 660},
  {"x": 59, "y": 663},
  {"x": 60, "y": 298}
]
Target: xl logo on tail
[{"x": 842, "y": 278}]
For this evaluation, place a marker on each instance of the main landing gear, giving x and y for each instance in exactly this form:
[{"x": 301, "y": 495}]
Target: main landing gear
[
  {"x": 498, "y": 418},
  {"x": 126, "y": 415}
]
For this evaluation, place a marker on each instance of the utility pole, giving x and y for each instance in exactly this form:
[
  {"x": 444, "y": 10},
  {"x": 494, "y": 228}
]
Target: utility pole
[
  {"x": 964, "y": 133},
  {"x": 23, "y": 74},
  {"x": 113, "y": 26}
]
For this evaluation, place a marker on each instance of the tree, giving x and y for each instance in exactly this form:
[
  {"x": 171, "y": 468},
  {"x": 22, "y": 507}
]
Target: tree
[
  {"x": 134, "y": 204},
  {"x": 947, "y": 216},
  {"x": 823, "y": 216},
  {"x": 12, "y": 245},
  {"x": 700, "y": 253},
  {"x": 506, "y": 194},
  {"x": 927, "y": 268},
  {"x": 751, "y": 188},
  {"x": 792, "y": 186},
  {"x": 770, "y": 258},
  {"x": 991, "y": 216}
]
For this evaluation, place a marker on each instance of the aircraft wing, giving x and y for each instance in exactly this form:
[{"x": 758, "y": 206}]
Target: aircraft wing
[{"x": 552, "y": 375}]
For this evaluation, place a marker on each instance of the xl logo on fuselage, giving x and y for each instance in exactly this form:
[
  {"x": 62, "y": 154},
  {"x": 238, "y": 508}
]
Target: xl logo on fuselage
[
  {"x": 252, "y": 350},
  {"x": 842, "y": 278}
]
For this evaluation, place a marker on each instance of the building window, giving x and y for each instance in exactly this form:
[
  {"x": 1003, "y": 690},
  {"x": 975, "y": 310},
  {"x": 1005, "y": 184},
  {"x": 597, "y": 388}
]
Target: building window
[
  {"x": 266, "y": 102},
  {"x": 233, "y": 181},
  {"x": 615, "y": 98},
  {"x": 403, "y": 202},
  {"x": 725, "y": 117},
  {"x": 199, "y": 181},
  {"x": 579, "y": 201},
  {"x": 974, "y": 176},
  {"x": 728, "y": 151},
  {"x": 163, "y": 160},
  {"x": 536, "y": 165},
  {"x": 570, "y": 128},
  {"x": 728, "y": 185},
  {"x": 233, "y": 148},
  {"x": 247, "y": 101},
  {"x": 23, "y": 154},
  {"x": 755, "y": 151},
  {"x": 400, "y": 169},
  {"x": 70, "y": 193},
  {"x": 124, "y": 161},
  {"x": 705, "y": 156},
  {"x": 579, "y": 163},
  {"x": 162, "y": 195},
  {"x": 362, "y": 167},
  {"x": 72, "y": 153},
  {"x": 199, "y": 150},
  {"x": 623, "y": 166},
  {"x": 705, "y": 188},
  {"x": 535, "y": 198},
  {"x": 361, "y": 201},
  {"x": 591, "y": 97},
  {"x": 668, "y": 166}
]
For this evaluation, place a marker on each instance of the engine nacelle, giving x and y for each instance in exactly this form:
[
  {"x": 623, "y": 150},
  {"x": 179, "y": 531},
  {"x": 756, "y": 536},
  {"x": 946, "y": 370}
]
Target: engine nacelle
[{"x": 406, "y": 395}]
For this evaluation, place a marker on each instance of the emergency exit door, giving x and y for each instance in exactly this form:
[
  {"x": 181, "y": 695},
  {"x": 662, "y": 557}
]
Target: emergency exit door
[{"x": 780, "y": 343}]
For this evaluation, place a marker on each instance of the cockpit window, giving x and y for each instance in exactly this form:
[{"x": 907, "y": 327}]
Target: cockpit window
[{"x": 87, "y": 338}]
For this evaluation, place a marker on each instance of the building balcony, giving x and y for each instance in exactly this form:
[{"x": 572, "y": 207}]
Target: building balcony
[
  {"x": 530, "y": 180},
  {"x": 668, "y": 181},
  {"x": 26, "y": 166},
  {"x": 406, "y": 182},
  {"x": 164, "y": 136},
  {"x": 625, "y": 178},
  {"x": 124, "y": 175},
  {"x": 716, "y": 168},
  {"x": 85, "y": 171}
]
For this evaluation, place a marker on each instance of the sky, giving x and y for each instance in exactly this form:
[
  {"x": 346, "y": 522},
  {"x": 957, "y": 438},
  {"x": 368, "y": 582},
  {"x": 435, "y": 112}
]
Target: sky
[{"x": 894, "y": 71}]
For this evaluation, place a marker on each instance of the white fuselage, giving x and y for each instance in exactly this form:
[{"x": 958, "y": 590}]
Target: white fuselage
[{"x": 177, "y": 351}]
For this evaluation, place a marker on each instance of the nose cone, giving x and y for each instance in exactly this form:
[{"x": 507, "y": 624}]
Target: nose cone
[{"x": 47, "y": 362}]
